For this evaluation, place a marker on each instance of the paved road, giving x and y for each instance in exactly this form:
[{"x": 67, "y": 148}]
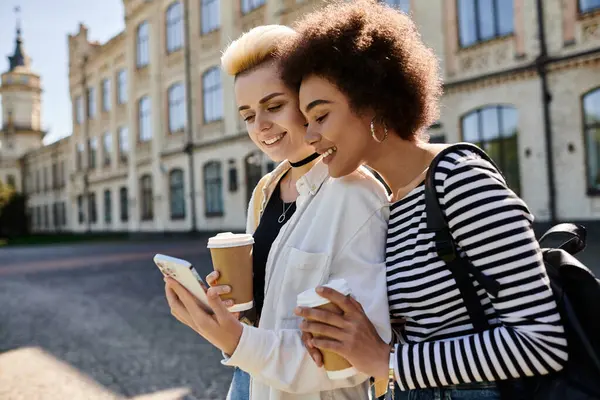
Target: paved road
[{"x": 91, "y": 322}]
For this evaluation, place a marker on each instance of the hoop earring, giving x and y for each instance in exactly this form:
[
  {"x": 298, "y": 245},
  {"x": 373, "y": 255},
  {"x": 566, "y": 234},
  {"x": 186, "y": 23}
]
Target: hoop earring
[{"x": 385, "y": 131}]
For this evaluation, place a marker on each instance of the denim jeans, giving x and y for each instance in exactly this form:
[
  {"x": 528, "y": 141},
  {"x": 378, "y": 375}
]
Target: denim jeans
[
  {"x": 240, "y": 386},
  {"x": 486, "y": 391}
]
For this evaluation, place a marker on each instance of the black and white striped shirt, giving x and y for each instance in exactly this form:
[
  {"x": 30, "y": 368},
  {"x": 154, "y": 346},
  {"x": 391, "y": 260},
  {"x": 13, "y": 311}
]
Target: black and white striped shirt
[{"x": 492, "y": 227}]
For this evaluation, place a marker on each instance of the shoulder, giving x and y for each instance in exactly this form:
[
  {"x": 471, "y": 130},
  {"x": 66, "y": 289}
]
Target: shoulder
[
  {"x": 460, "y": 165},
  {"x": 361, "y": 184}
]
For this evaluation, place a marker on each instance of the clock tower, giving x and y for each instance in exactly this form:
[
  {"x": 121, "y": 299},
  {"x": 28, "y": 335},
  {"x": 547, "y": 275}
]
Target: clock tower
[
  {"x": 21, "y": 103},
  {"x": 21, "y": 129}
]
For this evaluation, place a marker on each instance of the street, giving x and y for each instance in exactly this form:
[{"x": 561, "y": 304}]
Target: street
[{"x": 90, "y": 321}]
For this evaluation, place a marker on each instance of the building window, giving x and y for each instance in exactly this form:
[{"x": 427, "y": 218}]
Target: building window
[
  {"x": 123, "y": 143},
  {"x": 176, "y": 194},
  {"x": 106, "y": 95},
  {"x": 211, "y": 15},
  {"x": 107, "y": 207},
  {"x": 495, "y": 130},
  {"x": 174, "y": 27},
  {"x": 38, "y": 187},
  {"x": 213, "y": 189},
  {"x": 10, "y": 181},
  {"x": 144, "y": 123},
  {"x": 46, "y": 180},
  {"x": 93, "y": 146},
  {"x": 212, "y": 95},
  {"x": 176, "y": 96},
  {"x": 589, "y": 5},
  {"x": 91, "y": 101},
  {"x": 249, "y": 5},
  {"x": 46, "y": 217},
  {"x": 92, "y": 208},
  {"x": 107, "y": 148},
  {"x": 55, "y": 221},
  {"x": 124, "y": 204},
  {"x": 79, "y": 159},
  {"x": 79, "y": 110},
  {"x": 402, "y": 5},
  {"x": 80, "y": 213},
  {"x": 61, "y": 173},
  {"x": 122, "y": 86},
  {"x": 143, "y": 45},
  {"x": 54, "y": 176},
  {"x": 63, "y": 214},
  {"x": 38, "y": 212},
  {"x": 591, "y": 123},
  {"x": 482, "y": 20},
  {"x": 147, "y": 210}
]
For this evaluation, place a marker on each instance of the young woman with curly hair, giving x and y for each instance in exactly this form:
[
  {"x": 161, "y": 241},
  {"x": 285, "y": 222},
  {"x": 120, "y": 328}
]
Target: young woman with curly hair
[{"x": 369, "y": 87}]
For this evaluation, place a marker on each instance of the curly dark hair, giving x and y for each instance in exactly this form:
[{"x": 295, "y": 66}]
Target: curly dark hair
[{"x": 375, "y": 56}]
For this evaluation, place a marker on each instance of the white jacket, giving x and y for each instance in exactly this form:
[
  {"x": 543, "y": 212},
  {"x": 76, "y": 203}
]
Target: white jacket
[{"x": 338, "y": 231}]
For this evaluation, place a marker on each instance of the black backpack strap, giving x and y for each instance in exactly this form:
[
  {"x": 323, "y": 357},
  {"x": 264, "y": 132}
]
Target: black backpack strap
[
  {"x": 577, "y": 237},
  {"x": 446, "y": 247}
]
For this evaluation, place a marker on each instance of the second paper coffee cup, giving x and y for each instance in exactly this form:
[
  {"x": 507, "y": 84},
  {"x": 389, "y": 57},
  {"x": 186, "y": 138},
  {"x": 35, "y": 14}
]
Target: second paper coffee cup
[
  {"x": 231, "y": 255},
  {"x": 336, "y": 366}
]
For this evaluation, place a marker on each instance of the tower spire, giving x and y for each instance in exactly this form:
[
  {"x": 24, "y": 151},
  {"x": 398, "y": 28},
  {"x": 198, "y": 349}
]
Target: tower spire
[{"x": 19, "y": 58}]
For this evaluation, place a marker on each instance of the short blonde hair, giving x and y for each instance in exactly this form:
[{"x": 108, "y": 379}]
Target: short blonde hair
[{"x": 254, "y": 47}]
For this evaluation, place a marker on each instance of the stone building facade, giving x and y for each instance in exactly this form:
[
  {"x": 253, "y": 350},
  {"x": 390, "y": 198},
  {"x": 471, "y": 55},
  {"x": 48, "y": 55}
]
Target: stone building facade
[{"x": 522, "y": 80}]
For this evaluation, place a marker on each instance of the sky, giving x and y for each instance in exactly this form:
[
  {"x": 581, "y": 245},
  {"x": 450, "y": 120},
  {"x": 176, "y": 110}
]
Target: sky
[{"x": 45, "y": 25}]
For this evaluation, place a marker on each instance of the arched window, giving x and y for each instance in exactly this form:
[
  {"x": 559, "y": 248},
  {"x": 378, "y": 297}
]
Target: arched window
[
  {"x": 144, "y": 119},
  {"x": 213, "y": 189},
  {"x": 177, "y": 194},
  {"x": 212, "y": 95},
  {"x": 211, "y": 15},
  {"x": 174, "y": 23},
  {"x": 591, "y": 131},
  {"x": 176, "y": 98},
  {"x": 147, "y": 210},
  {"x": 495, "y": 130},
  {"x": 143, "y": 45}
]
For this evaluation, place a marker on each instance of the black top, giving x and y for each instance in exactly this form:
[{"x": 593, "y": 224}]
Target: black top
[{"x": 264, "y": 236}]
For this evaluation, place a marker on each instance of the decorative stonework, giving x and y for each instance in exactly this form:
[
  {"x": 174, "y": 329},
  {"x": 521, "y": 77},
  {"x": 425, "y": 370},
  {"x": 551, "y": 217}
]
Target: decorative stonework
[
  {"x": 484, "y": 57},
  {"x": 252, "y": 19},
  {"x": 590, "y": 30}
]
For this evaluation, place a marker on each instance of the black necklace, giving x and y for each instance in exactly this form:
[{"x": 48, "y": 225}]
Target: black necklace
[{"x": 305, "y": 161}]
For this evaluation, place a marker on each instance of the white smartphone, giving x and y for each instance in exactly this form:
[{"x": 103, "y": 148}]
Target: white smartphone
[{"x": 184, "y": 273}]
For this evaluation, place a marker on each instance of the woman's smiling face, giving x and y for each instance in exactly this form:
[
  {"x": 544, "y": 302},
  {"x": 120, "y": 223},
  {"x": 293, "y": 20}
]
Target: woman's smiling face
[
  {"x": 333, "y": 127},
  {"x": 270, "y": 111}
]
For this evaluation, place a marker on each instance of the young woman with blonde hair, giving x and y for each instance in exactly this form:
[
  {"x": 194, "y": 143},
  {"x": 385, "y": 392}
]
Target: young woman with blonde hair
[{"x": 309, "y": 229}]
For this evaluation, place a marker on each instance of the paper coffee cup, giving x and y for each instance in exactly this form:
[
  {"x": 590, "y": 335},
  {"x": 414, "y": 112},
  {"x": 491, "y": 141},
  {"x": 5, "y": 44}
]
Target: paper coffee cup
[
  {"x": 231, "y": 255},
  {"x": 336, "y": 366}
]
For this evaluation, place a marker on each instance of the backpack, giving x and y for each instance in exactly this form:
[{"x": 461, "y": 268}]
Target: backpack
[{"x": 575, "y": 288}]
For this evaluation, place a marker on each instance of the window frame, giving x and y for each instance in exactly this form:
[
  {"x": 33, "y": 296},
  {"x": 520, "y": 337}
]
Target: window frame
[
  {"x": 142, "y": 45},
  {"x": 176, "y": 103},
  {"x": 501, "y": 162},
  {"x": 146, "y": 198},
  {"x": 207, "y": 25},
  {"x": 142, "y": 114},
  {"x": 247, "y": 6},
  {"x": 212, "y": 91},
  {"x": 591, "y": 191},
  {"x": 176, "y": 188},
  {"x": 106, "y": 91},
  {"x": 217, "y": 184},
  {"x": 124, "y": 204},
  {"x": 479, "y": 40},
  {"x": 589, "y": 10},
  {"x": 122, "y": 86},
  {"x": 174, "y": 27}
]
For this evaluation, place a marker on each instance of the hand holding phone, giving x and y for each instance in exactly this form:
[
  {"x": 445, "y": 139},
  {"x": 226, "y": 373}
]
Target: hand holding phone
[{"x": 184, "y": 273}]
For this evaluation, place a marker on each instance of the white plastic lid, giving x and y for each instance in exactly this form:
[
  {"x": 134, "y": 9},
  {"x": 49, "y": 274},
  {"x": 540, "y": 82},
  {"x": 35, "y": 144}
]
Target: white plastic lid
[
  {"x": 310, "y": 298},
  {"x": 228, "y": 239}
]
